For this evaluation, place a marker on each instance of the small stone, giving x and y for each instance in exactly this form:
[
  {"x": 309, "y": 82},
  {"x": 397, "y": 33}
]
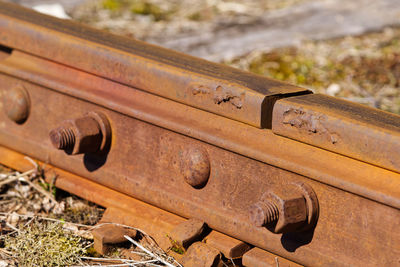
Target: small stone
[
  {"x": 333, "y": 89},
  {"x": 70, "y": 227},
  {"x": 59, "y": 208},
  {"x": 13, "y": 219}
]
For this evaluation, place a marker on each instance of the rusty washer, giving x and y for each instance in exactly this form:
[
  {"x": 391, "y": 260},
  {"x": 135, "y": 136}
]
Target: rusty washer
[
  {"x": 89, "y": 134},
  {"x": 16, "y": 104},
  {"x": 195, "y": 166}
]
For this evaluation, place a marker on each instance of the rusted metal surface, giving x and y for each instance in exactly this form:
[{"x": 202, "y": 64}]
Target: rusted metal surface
[
  {"x": 195, "y": 166},
  {"x": 107, "y": 235},
  {"x": 230, "y": 248},
  {"x": 199, "y": 158},
  {"x": 237, "y": 180},
  {"x": 354, "y": 176},
  {"x": 293, "y": 207},
  {"x": 188, "y": 232},
  {"x": 126, "y": 210},
  {"x": 89, "y": 134},
  {"x": 260, "y": 258},
  {"x": 16, "y": 104},
  {"x": 212, "y": 129},
  {"x": 340, "y": 126},
  {"x": 216, "y": 88},
  {"x": 201, "y": 255}
]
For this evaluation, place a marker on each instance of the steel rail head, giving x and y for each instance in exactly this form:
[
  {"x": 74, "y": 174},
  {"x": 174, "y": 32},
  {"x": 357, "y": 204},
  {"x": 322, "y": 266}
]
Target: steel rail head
[{"x": 209, "y": 86}]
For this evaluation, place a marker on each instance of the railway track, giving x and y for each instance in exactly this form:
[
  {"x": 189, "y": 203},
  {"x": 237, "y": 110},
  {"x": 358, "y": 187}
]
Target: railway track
[{"x": 260, "y": 171}]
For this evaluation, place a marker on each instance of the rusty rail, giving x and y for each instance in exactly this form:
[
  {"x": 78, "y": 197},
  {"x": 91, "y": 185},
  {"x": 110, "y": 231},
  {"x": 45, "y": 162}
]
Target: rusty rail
[{"x": 273, "y": 170}]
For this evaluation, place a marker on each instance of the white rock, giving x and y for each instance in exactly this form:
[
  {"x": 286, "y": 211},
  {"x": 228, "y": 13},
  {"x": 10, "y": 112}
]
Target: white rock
[
  {"x": 13, "y": 219},
  {"x": 55, "y": 10},
  {"x": 333, "y": 89},
  {"x": 70, "y": 227}
]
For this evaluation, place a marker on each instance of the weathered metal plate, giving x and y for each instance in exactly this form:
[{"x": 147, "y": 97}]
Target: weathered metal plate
[
  {"x": 353, "y": 176},
  {"x": 153, "y": 138},
  {"x": 129, "y": 211},
  {"x": 341, "y": 126},
  {"x": 212, "y": 87},
  {"x": 144, "y": 162},
  {"x": 260, "y": 258}
]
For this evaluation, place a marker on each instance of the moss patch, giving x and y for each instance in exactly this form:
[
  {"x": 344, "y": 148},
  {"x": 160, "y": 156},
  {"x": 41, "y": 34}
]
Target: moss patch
[{"x": 45, "y": 244}]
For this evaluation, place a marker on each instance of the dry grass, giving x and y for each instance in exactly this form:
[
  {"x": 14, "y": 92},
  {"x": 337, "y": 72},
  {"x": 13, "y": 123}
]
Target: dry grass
[
  {"x": 39, "y": 243},
  {"x": 41, "y": 226}
]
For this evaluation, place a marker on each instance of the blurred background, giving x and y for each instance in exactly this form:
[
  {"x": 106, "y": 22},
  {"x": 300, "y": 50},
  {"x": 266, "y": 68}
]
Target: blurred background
[{"x": 348, "y": 49}]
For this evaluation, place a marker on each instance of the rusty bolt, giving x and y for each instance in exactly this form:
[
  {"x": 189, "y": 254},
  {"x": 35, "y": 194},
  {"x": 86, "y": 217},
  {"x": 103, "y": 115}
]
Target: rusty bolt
[
  {"x": 195, "y": 166},
  {"x": 16, "y": 104},
  {"x": 293, "y": 207},
  {"x": 88, "y": 134},
  {"x": 263, "y": 213}
]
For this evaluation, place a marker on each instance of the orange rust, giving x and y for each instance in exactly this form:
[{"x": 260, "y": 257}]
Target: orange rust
[
  {"x": 260, "y": 258},
  {"x": 216, "y": 110},
  {"x": 231, "y": 248},
  {"x": 340, "y": 126},
  {"x": 125, "y": 210},
  {"x": 227, "y": 91},
  {"x": 144, "y": 156},
  {"x": 353, "y": 176}
]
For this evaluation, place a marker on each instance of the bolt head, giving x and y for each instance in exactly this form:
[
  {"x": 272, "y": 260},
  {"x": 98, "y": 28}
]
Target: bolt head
[
  {"x": 195, "y": 166},
  {"x": 16, "y": 103}
]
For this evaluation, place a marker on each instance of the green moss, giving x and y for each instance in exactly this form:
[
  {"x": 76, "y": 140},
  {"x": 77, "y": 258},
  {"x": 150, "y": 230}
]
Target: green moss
[
  {"x": 45, "y": 244},
  {"x": 148, "y": 9},
  {"x": 112, "y": 5},
  {"x": 196, "y": 16},
  {"x": 176, "y": 247}
]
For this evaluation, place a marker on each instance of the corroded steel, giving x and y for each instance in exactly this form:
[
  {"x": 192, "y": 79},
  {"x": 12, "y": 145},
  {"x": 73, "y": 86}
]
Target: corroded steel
[
  {"x": 188, "y": 232},
  {"x": 195, "y": 166},
  {"x": 16, "y": 104},
  {"x": 260, "y": 258},
  {"x": 205, "y": 155},
  {"x": 354, "y": 176},
  {"x": 107, "y": 235},
  {"x": 230, "y": 248},
  {"x": 89, "y": 134},
  {"x": 201, "y": 255},
  {"x": 144, "y": 162},
  {"x": 340, "y": 126},
  {"x": 293, "y": 207},
  {"x": 216, "y": 88},
  {"x": 129, "y": 211}
]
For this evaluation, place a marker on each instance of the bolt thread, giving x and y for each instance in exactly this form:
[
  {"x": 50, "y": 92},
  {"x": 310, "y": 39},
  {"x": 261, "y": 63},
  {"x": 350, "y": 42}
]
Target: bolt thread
[
  {"x": 271, "y": 212},
  {"x": 63, "y": 138},
  {"x": 67, "y": 138}
]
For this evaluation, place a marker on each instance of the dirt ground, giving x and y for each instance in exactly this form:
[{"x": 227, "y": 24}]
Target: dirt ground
[{"x": 361, "y": 64}]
